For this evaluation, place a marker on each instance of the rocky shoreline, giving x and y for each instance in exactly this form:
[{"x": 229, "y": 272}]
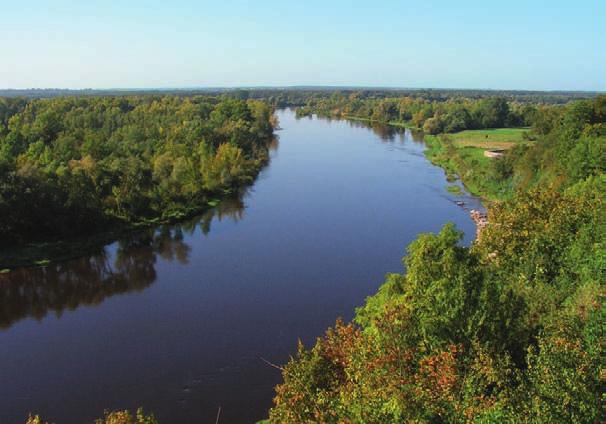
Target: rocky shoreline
[{"x": 481, "y": 220}]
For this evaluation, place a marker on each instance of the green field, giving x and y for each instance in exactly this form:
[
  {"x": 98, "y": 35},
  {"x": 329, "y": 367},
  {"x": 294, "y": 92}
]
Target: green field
[
  {"x": 498, "y": 138},
  {"x": 462, "y": 155},
  {"x": 454, "y": 189},
  {"x": 467, "y": 163}
]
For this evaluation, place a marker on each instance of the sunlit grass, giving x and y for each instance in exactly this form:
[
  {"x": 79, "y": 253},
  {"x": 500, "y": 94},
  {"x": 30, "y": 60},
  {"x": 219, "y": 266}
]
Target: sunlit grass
[
  {"x": 498, "y": 138},
  {"x": 454, "y": 189},
  {"x": 467, "y": 163}
]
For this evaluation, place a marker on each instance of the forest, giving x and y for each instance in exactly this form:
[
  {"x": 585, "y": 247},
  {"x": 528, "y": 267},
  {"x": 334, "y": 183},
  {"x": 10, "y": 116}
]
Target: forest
[
  {"x": 510, "y": 329},
  {"x": 74, "y": 166},
  {"x": 432, "y": 115}
]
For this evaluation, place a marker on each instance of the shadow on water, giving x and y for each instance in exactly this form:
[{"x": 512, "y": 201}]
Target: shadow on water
[
  {"x": 385, "y": 132},
  {"x": 127, "y": 265}
]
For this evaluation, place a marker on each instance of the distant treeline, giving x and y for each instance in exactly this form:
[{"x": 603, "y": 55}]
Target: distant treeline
[
  {"x": 72, "y": 166},
  {"x": 42, "y": 93},
  {"x": 434, "y": 116},
  {"x": 510, "y": 329},
  {"x": 300, "y": 95}
]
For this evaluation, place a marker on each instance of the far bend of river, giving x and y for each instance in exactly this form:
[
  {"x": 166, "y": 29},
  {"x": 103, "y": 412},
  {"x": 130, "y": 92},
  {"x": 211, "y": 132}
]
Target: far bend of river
[{"x": 177, "y": 319}]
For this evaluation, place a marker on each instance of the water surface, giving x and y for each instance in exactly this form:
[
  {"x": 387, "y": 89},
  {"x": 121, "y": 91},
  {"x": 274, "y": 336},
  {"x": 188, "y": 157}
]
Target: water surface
[{"x": 177, "y": 319}]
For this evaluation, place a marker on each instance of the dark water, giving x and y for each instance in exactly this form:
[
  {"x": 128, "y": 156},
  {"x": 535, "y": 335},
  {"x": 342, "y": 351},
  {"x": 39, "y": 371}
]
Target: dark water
[{"x": 178, "y": 319}]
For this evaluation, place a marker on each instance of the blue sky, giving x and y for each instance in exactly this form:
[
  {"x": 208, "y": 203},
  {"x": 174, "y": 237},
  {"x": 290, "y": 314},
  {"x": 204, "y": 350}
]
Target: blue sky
[{"x": 457, "y": 44}]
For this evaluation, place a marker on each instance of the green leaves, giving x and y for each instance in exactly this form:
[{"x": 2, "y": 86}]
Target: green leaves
[{"x": 73, "y": 166}]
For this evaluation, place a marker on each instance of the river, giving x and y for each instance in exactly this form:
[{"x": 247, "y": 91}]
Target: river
[{"x": 177, "y": 319}]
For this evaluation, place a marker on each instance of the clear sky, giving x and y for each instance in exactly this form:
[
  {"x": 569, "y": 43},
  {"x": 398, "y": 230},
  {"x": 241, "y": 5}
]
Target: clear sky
[{"x": 509, "y": 44}]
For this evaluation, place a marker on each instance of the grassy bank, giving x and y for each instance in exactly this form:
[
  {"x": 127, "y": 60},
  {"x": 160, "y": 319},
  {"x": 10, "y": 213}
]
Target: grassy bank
[
  {"x": 462, "y": 155},
  {"x": 498, "y": 138}
]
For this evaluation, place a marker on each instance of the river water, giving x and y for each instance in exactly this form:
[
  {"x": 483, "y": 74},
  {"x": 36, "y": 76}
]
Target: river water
[{"x": 179, "y": 319}]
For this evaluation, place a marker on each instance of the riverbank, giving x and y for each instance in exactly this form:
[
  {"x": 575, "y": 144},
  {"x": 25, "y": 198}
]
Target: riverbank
[
  {"x": 408, "y": 125},
  {"x": 399, "y": 124},
  {"x": 52, "y": 251},
  {"x": 463, "y": 155},
  {"x": 45, "y": 253},
  {"x": 469, "y": 164},
  {"x": 107, "y": 164}
]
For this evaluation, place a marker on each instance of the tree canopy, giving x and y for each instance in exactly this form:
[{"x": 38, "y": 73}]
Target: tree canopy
[{"x": 72, "y": 166}]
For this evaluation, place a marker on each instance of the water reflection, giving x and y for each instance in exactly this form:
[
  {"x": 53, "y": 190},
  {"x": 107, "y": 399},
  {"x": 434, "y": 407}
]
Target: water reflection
[
  {"x": 125, "y": 266},
  {"x": 231, "y": 208},
  {"x": 385, "y": 132},
  {"x": 274, "y": 144}
]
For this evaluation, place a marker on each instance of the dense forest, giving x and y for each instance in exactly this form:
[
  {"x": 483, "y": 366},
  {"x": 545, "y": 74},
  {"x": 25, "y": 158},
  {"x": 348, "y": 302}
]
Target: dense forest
[
  {"x": 73, "y": 166},
  {"x": 510, "y": 329},
  {"x": 309, "y": 97}
]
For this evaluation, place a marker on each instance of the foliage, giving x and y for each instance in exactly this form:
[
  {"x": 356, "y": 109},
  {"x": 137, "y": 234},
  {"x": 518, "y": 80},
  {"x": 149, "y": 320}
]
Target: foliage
[
  {"x": 565, "y": 145},
  {"x": 434, "y": 116},
  {"x": 112, "y": 417},
  {"x": 73, "y": 166},
  {"x": 125, "y": 417},
  {"x": 454, "y": 189}
]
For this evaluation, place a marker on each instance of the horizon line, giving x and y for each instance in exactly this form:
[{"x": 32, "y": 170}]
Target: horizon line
[{"x": 299, "y": 86}]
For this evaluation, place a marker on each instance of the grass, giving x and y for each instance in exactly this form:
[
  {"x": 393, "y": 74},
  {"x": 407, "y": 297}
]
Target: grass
[
  {"x": 498, "y": 138},
  {"x": 467, "y": 163},
  {"x": 454, "y": 189}
]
